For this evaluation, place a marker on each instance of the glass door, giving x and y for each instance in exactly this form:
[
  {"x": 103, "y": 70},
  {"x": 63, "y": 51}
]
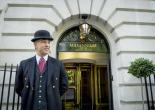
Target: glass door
[
  {"x": 102, "y": 87},
  {"x": 88, "y": 87},
  {"x": 80, "y": 85},
  {"x": 70, "y": 98}
]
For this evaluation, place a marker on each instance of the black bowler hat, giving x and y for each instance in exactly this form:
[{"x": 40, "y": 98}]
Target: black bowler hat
[{"x": 42, "y": 34}]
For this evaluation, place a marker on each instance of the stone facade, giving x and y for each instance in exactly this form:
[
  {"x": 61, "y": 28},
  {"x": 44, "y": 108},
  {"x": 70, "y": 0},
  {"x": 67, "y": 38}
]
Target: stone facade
[{"x": 128, "y": 25}]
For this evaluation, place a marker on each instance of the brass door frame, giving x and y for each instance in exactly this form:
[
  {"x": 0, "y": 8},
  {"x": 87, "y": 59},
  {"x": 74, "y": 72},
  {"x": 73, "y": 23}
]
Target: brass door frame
[
  {"x": 78, "y": 80},
  {"x": 95, "y": 82}
]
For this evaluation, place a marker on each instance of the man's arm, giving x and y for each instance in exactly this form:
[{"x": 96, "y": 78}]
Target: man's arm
[
  {"x": 63, "y": 80},
  {"x": 19, "y": 80}
]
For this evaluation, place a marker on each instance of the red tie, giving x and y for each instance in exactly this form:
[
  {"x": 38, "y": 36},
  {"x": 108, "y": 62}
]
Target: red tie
[{"x": 41, "y": 64}]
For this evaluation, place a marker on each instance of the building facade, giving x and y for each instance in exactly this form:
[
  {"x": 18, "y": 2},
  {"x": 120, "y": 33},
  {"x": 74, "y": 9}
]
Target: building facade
[{"x": 121, "y": 31}]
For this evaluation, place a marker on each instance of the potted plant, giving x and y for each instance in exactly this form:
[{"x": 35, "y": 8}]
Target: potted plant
[{"x": 142, "y": 68}]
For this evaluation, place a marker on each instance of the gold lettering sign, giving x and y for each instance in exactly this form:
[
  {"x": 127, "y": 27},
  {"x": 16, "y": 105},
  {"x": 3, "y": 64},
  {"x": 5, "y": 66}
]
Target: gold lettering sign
[
  {"x": 76, "y": 45},
  {"x": 85, "y": 47}
]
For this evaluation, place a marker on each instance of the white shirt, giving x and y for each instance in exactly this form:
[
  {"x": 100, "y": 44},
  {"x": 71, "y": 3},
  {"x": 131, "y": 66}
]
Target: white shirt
[{"x": 38, "y": 58}]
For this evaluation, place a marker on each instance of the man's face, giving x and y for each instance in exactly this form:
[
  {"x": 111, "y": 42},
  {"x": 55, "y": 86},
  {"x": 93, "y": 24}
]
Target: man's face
[{"x": 42, "y": 46}]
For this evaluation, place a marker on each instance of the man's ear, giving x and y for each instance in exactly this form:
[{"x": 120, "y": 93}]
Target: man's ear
[{"x": 34, "y": 43}]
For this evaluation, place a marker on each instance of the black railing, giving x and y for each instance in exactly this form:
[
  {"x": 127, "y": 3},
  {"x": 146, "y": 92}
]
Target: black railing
[
  {"x": 149, "y": 91},
  {"x": 9, "y": 100},
  {"x": 7, "y": 92}
]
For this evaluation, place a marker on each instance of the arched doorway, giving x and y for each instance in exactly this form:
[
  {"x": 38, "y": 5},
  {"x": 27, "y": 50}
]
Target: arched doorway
[{"x": 87, "y": 65}]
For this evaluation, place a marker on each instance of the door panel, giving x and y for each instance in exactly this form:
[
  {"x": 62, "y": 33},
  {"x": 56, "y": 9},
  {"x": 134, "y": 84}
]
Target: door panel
[
  {"x": 86, "y": 97},
  {"x": 88, "y": 86}
]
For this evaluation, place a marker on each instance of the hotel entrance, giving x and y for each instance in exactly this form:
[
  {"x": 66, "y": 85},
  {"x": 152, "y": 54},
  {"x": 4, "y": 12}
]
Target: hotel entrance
[
  {"x": 87, "y": 66},
  {"x": 88, "y": 87}
]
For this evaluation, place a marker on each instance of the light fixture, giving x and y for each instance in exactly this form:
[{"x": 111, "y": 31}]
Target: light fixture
[{"x": 84, "y": 28}]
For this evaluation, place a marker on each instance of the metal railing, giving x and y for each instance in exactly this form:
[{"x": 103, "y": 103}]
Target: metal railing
[
  {"x": 149, "y": 91},
  {"x": 7, "y": 84}
]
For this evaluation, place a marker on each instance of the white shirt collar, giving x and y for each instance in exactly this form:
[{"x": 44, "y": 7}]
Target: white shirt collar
[{"x": 38, "y": 58}]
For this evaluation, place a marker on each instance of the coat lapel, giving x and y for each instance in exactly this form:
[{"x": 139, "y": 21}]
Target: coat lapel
[
  {"x": 50, "y": 69},
  {"x": 31, "y": 70}
]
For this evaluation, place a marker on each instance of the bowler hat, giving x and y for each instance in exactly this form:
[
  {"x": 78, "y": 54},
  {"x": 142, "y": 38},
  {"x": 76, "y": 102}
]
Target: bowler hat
[{"x": 42, "y": 34}]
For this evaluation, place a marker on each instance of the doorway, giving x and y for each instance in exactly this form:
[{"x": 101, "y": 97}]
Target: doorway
[
  {"x": 87, "y": 90},
  {"x": 87, "y": 64}
]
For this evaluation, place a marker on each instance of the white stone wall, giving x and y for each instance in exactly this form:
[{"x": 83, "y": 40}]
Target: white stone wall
[
  {"x": 134, "y": 24},
  {"x": 129, "y": 29}
]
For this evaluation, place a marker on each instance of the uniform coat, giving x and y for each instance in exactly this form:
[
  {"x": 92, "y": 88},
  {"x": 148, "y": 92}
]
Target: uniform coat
[{"x": 57, "y": 83}]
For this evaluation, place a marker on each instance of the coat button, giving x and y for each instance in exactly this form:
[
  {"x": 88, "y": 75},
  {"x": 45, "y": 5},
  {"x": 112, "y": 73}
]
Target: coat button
[
  {"x": 53, "y": 86},
  {"x": 40, "y": 91},
  {"x": 56, "y": 78},
  {"x": 27, "y": 86}
]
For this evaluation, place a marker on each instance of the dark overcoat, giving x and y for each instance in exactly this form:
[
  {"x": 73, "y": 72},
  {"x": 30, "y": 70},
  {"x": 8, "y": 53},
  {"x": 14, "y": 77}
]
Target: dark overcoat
[{"x": 57, "y": 83}]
